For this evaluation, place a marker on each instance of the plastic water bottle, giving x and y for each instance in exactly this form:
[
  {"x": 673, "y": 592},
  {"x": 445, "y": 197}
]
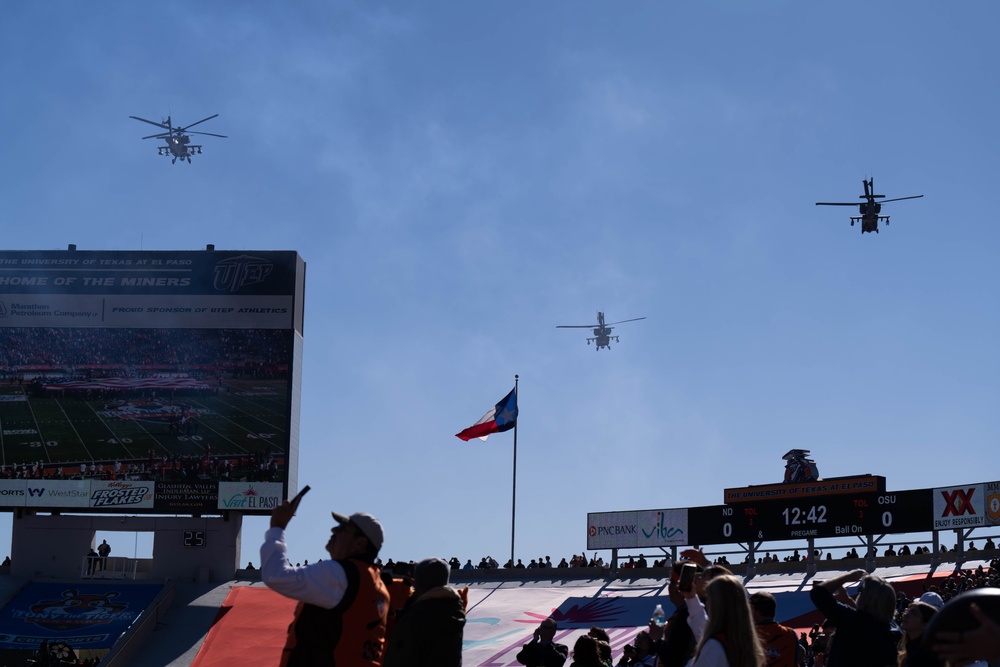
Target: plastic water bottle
[{"x": 659, "y": 617}]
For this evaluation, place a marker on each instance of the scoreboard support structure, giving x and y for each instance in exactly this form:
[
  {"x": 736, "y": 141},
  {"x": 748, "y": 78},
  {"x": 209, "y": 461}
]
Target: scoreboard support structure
[{"x": 192, "y": 548}]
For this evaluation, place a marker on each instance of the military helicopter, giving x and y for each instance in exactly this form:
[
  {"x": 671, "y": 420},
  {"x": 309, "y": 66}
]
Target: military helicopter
[
  {"x": 602, "y": 332},
  {"x": 870, "y": 209},
  {"x": 177, "y": 139}
]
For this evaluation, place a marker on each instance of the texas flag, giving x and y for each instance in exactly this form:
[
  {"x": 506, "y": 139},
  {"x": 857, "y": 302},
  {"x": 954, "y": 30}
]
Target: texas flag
[{"x": 501, "y": 417}]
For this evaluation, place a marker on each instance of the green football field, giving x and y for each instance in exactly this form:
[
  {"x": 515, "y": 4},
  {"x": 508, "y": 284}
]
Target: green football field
[{"x": 244, "y": 417}]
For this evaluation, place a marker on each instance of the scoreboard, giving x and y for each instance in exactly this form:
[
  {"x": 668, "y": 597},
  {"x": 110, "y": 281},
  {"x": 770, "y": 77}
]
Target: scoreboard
[
  {"x": 797, "y": 516},
  {"x": 818, "y": 516}
]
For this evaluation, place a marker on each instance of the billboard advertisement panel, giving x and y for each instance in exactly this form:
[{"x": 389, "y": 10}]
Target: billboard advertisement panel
[
  {"x": 169, "y": 371},
  {"x": 993, "y": 503},
  {"x": 959, "y": 507},
  {"x": 611, "y": 530},
  {"x": 249, "y": 496},
  {"x": 642, "y": 528}
]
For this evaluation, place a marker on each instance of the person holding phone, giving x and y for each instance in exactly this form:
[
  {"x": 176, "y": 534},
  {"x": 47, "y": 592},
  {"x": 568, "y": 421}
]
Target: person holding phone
[
  {"x": 343, "y": 604},
  {"x": 696, "y": 596},
  {"x": 542, "y": 651},
  {"x": 674, "y": 643}
]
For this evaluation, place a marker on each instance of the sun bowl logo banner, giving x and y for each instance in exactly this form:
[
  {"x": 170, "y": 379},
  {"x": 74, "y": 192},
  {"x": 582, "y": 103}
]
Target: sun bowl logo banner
[
  {"x": 249, "y": 495},
  {"x": 83, "y": 615}
]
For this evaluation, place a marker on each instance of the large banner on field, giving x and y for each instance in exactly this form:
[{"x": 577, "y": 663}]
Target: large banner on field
[
  {"x": 85, "y": 616},
  {"x": 126, "y": 370}
]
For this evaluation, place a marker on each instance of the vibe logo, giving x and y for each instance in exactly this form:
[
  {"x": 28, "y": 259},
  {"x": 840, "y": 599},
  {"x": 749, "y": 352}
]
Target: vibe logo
[
  {"x": 957, "y": 502},
  {"x": 661, "y": 530}
]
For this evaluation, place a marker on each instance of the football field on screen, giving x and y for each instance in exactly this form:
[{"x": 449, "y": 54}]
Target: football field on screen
[{"x": 241, "y": 418}]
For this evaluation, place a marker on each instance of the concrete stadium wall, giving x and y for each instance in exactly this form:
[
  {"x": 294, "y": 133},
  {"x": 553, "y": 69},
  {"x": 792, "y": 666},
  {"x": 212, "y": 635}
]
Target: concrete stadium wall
[{"x": 55, "y": 546}]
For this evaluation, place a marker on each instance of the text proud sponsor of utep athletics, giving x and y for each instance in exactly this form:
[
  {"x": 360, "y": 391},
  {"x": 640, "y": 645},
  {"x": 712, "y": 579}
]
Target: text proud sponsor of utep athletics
[{"x": 248, "y": 496}]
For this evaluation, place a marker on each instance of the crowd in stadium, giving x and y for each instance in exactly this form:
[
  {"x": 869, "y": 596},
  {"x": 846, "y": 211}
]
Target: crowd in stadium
[
  {"x": 575, "y": 561},
  {"x": 61, "y": 349},
  {"x": 259, "y": 466},
  {"x": 717, "y": 622}
]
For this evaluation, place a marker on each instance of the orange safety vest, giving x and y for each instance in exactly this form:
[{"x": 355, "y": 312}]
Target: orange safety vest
[{"x": 352, "y": 634}]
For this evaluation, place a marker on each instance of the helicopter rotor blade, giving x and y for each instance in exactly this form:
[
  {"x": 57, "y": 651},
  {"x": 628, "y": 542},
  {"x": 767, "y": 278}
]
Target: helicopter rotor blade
[
  {"x": 150, "y": 122},
  {"x": 209, "y": 134},
  {"x": 634, "y": 319},
  {"x": 836, "y": 203},
  {"x": 902, "y": 198},
  {"x": 184, "y": 129},
  {"x": 576, "y": 326},
  {"x": 163, "y": 135}
]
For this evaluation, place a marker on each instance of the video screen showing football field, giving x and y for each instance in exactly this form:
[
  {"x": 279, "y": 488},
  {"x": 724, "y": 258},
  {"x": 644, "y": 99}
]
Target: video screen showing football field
[{"x": 102, "y": 402}]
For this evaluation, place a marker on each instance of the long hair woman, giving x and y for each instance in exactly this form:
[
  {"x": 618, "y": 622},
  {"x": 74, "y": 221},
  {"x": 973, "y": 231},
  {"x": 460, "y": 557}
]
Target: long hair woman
[
  {"x": 730, "y": 639},
  {"x": 913, "y": 623}
]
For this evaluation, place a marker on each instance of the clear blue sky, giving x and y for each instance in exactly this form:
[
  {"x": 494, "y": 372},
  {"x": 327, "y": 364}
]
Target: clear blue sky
[{"x": 461, "y": 177}]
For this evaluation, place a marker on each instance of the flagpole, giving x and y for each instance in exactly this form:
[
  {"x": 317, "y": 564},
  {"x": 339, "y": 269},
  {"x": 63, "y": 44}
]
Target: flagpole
[{"x": 513, "y": 502}]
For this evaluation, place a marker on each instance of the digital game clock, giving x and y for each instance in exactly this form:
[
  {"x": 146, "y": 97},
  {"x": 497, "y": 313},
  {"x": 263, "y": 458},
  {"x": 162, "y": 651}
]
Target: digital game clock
[{"x": 814, "y": 516}]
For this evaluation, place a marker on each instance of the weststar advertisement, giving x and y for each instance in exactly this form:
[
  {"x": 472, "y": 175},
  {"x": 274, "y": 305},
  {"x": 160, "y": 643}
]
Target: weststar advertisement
[{"x": 57, "y": 493}]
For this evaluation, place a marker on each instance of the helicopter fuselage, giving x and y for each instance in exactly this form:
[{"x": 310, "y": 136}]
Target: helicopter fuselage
[
  {"x": 869, "y": 216},
  {"x": 602, "y": 337},
  {"x": 177, "y": 146}
]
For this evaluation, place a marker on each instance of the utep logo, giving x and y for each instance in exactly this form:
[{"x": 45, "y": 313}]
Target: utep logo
[
  {"x": 115, "y": 497},
  {"x": 251, "y": 499},
  {"x": 233, "y": 274},
  {"x": 74, "y": 611},
  {"x": 661, "y": 530},
  {"x": 958, "y": 502}
]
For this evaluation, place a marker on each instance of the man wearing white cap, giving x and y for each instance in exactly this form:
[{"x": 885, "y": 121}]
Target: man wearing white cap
[{"x": 340, "y": 619}]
